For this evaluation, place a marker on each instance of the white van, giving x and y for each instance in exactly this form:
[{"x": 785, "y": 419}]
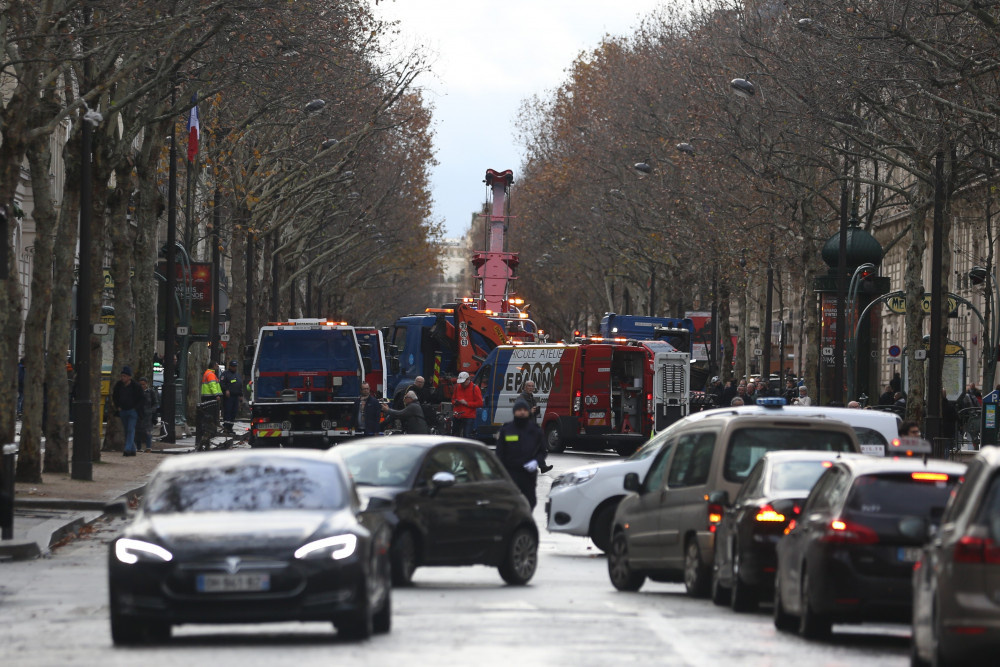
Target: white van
[{"x": 875, "y": 428}]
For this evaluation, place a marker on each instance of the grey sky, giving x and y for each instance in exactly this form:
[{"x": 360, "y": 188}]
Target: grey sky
[{"x": 487, "y": 57}]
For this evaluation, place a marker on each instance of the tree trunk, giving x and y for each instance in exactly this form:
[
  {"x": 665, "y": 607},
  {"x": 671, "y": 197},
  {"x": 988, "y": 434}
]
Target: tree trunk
[
  {"x": 122, "y": 238},
  {"x": 59, "y": 390},
  {"x": 725, "y": 333},
  {"x": 29, "y": 460},
  {"x": 913, "y": 287},
  {"x": 237, "y": 292},
  {"x": 740, "y": 369}
]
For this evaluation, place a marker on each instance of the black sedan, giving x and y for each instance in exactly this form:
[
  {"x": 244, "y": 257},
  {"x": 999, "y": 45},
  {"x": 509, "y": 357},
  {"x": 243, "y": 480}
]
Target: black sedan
[
  {"x": 449, "y": 501},
  {"x": 774, "y": 492},
  {"x": 849, "y": 555},
  {"x": 238, "y": 537}
]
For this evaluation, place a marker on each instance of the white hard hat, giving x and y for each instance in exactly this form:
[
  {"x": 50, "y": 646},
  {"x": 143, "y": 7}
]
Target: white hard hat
[{"x": 462, "y": 377}]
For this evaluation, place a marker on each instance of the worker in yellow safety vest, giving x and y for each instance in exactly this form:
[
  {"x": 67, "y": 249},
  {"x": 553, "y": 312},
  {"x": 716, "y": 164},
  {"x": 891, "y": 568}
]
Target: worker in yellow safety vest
[{"x": 210, "y": 387}]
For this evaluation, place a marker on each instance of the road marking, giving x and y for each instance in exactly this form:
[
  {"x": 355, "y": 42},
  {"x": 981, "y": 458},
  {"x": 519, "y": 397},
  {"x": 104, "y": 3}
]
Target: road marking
[
  {"x": 668, "y": 633},
  {"x": 508, "y": 606}
]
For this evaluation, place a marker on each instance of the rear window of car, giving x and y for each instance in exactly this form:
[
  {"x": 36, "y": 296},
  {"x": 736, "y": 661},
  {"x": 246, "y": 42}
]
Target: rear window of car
[
  {"x": 247, "y": 487},
  {"x": 801, "y": 476},
  {"x": 900, "y": 494},
  {"x": 747, "y": 445}
]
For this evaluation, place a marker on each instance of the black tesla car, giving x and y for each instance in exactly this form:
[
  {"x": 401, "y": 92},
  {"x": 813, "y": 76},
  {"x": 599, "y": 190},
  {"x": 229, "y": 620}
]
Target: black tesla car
[
  {"x": 244, "y": 537},
  {"x": 449, "y": 502},
  {"x": 774, "y": 492},
  {"x": 848, "y": 557}
]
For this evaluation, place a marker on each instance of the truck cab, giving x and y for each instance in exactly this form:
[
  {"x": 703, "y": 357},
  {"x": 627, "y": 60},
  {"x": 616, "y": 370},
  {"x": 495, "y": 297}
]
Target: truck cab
[{"x": 306, "y": 376}]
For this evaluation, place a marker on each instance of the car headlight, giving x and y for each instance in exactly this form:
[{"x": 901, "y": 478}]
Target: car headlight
[
  {"x": 131, "y": 551},
  {"x": 336, "y": 547},
  {"x": 575, "y": 477}
]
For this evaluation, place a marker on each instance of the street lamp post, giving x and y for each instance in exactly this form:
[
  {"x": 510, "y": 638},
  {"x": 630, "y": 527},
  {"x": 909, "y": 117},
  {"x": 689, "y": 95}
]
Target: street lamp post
[
  {"x": 932, "y": 425},
  {"x": 768, "y": 305},
  {"x": 169, "y": 399},
  {"x": 213, "y": 334}
]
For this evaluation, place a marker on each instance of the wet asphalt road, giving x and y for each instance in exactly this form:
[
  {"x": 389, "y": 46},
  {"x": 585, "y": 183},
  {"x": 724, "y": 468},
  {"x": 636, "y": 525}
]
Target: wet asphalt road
[{"x": 54, "y": 612}]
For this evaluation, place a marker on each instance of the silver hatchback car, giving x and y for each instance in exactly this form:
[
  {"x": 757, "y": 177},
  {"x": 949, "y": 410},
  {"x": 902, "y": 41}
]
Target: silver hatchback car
[{"x": 956, "y": 581}]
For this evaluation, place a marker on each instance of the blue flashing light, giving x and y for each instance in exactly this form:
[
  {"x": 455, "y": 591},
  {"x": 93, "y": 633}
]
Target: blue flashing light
[{"x": 772, "y": 402}]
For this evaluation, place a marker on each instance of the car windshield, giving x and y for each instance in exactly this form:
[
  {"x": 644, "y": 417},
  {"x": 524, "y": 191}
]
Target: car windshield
[
  {"x": 380, "y": 465},
  {"x": 899, "y": 494},
  {"x": 251, "y": 486},
  {"x": 314, "y": 350},
  {"x": 788, "y": 476},
  {"x": 749, "y": 444},
  {"x": 648, "y": 449}
]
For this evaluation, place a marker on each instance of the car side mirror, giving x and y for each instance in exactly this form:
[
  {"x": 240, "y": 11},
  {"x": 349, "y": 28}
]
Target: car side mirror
[
  {"x": 632, "y": 482},
  {"x": 442, "y": 480},
  {"x": 719, "y": 498},
  {"x": 394, "y": 366},
  {"x": 116, "y": 508}
]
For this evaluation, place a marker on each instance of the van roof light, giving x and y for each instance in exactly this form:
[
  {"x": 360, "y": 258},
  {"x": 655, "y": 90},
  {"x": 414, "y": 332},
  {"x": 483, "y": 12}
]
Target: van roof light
[{"x": 772, "y": 402}]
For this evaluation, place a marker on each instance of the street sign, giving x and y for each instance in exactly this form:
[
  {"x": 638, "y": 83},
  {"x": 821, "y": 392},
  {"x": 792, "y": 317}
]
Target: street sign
[
  {"x": 224, "y": 338},
  {"x": 894, "y": 360},
  {"x": 920, "y": 355},
  {"x": 757, "y": 352},
  {"x": 183, "y": 331},
  {"x": 101, "y": 329},
  {"x": 894, "y": 351},
  {"x": 827, "y": 351},
  {"x": 897, "y": 303}
]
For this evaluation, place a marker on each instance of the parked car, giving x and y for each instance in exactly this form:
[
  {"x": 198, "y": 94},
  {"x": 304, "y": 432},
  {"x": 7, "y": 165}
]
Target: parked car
[
  {"x": 250, "y": 537},
  {"x": 956, "y": 580},
  {"x": 775, "y": 490},
  {"x": 582, "y": 501},
  {"x": 665, "y": 530},
  {"x": 848, "y": 556},
  {"x": 449, "y": 501}
]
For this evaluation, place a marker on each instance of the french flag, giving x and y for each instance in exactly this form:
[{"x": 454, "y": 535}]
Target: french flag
[{"x": 194, "y": 129}]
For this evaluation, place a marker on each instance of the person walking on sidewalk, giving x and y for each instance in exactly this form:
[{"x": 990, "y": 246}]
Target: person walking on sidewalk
[
  {"x": 466, "y": 398},
  {"x": 147, "y": 416},
  {"x": 232, "y": 392},
  {"x": 127, "y": 398},
  {"x": 521, "y": 449}
]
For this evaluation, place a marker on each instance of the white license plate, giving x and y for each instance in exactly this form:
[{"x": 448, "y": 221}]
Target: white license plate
[
  {"x": 598, "y": 415},
  {"x": 233, "y": 583},
  {"x": 873, "y": 450},
  {"x": 273, "y": 426},
  {"x": 908, "y": 554}
]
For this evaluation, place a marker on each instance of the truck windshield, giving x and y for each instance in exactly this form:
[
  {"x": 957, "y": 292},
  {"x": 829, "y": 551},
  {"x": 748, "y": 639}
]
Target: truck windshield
[{"x": 289, "y": 351}]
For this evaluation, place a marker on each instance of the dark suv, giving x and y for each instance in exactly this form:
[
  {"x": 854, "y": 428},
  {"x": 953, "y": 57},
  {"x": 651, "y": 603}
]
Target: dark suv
[{"x": 665, "y": 529}]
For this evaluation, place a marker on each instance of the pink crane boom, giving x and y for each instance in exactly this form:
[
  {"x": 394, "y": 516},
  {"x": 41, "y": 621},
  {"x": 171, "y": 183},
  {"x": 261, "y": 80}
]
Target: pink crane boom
[{"x": 495, "y": 267}]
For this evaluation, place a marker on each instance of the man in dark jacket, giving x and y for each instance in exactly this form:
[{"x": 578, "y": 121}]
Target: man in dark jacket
[
  {"x": 147, "y": 416},
  {"x": 412, "y": 415},
  {"x": 521, "y": 450},
  {"x": 366, "y": 414},
  {"x": 528, "y": 394},
  {"x": 127, "y": 398},
  {"x": 232, "y": 394}
]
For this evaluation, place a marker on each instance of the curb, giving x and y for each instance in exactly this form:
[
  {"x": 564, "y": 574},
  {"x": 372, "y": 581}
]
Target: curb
[{"x": 42, "y": 537}]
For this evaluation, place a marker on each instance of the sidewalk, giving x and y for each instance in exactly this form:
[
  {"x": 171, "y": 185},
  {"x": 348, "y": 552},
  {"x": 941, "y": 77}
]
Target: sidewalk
[{"x": 47, "y": 513}]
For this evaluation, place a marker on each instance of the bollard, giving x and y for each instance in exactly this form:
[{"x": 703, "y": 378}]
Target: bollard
[{"x": 7, "y": 492}]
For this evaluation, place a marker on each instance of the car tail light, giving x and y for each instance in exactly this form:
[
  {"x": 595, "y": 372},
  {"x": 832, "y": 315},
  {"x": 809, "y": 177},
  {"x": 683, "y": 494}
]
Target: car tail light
[
  {"x": 576, "y": 402},
  {"x": 649, "y": 403},
  {"x": 847, "y": 532},
  {"x": 769, "y": 514},
  {"x": 975, "y": 549},
  {"x": 714, "y": 515}
]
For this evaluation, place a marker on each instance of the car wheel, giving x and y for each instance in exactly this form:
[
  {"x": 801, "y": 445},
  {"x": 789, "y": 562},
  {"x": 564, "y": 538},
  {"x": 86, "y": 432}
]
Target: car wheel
[
  {"x": 519, "y": 564},
  {"x": 811, "y": 624},
  {"x": 404, "y": 558},
  {"x": 600, "y": 526},
  {"x": 358, "y": 625},
  {"x": 719, "y": 593},
  {"x": 382, "y": 621},
  {"x": 552, "y": 439},
  {"x": 623, "y": 577},
  {"x": 783, "y": 621},
  {"x": 744, "y": 597},
  {"x": 696, "y": 575}
]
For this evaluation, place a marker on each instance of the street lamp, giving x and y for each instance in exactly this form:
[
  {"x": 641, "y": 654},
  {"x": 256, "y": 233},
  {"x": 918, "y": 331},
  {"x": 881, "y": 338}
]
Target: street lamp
[
  {"x": 743, "y": 88},
  {"x": 642, "y": 168}
]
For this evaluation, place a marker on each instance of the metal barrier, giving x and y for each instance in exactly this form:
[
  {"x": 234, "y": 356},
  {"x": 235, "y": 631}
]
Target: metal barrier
[
  {"x": 9, "y": 455},
  {"x": 206, "y": 424}
]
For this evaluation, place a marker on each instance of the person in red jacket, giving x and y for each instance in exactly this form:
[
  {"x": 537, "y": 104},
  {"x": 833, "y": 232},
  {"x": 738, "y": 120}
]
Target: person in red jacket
[{"x": 465, "y": 400}]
